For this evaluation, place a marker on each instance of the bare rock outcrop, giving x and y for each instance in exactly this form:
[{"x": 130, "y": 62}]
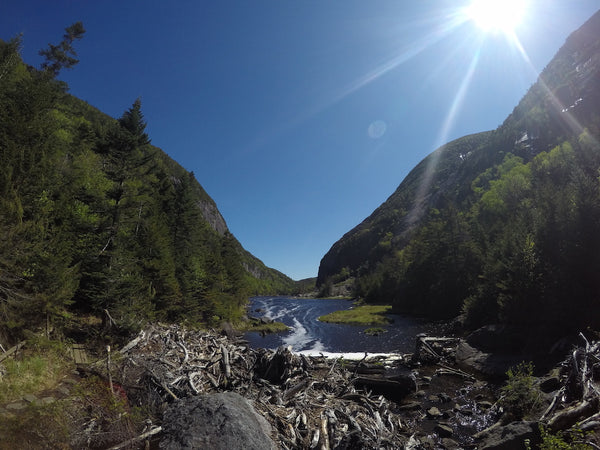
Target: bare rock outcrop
[{"x": 220, "y": 421}]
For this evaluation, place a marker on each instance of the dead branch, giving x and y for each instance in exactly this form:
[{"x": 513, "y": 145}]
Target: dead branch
[{"x": 139, "y": 438}]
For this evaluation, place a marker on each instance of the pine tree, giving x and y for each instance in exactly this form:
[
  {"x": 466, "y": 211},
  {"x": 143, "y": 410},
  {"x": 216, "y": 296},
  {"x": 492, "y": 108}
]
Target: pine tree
[
  {"x": 132, "y": 120},
  {"x": 63, "y": 55}
]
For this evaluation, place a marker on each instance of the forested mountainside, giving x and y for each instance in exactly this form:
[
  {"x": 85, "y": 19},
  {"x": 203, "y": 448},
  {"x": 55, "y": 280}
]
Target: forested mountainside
[
  {"x": 95, "y": 219},
  {"x": 502, "y": 225}
]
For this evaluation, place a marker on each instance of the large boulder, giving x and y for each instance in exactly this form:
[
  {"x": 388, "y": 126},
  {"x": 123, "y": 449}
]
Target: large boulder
[
  {"x": 491, "y": 351},
  {"x": 496, "y": 339},
  {"x": 493, "y": 366},
  {"x": 224, "y": 421},
  {"x": 512, "y": 437}
]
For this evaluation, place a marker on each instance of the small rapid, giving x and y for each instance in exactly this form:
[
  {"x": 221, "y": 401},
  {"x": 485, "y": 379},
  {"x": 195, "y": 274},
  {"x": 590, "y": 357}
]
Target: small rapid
[{"x": 308, "y": 334}]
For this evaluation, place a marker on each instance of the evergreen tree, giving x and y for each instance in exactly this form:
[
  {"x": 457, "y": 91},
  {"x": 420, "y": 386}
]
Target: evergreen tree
[
  {"x": 132, "y": 120},
  {"x": 63, "y": 55}
]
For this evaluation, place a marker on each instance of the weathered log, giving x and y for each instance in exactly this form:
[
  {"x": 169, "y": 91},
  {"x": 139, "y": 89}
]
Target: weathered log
[
  {"x": 324, "y": 440},
  {"x": 394, "y": 389},
  {"x": 553, "y": 403},
  {"x": 570, "y": 416},
  {"x": 139, "y": 438},
  {"x": 226, "y": 365},
  {"x": 133, "y": 343},
  {"x": 11, "y": 351},
  {"x": 289, "y": 393}
]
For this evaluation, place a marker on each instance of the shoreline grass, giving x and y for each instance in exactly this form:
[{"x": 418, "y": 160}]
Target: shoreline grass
[
  {"x": 259, "y": 326},
  {"x": 360, "y": 315},
  {"x": 41, "y": 365}
]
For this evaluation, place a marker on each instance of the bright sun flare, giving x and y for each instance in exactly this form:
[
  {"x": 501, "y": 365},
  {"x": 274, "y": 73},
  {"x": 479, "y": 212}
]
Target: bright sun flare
[{"x": 497, "y": 15}]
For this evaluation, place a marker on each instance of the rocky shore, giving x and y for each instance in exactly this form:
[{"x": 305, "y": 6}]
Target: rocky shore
[{"x": 210, "y": 390}]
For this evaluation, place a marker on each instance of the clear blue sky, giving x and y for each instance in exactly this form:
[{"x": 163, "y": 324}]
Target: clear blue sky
[{"x": 298, "y": 117}]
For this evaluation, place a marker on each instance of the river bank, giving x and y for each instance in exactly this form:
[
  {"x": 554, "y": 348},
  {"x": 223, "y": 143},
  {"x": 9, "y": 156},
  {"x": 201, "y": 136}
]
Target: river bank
[
  {"x": 170, "y": 383},
  {"x": 425, "y": 399}
]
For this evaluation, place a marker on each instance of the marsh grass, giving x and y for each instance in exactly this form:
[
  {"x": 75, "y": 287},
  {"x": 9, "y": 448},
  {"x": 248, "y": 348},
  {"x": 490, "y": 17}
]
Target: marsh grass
[
  {"x": 261, "y": 327},
  {"x": 38, "y": 426},
  {"x": 91, "y": 417},
  {"x": 40, "y": 366},
  {"x": 360, "y": 315}
]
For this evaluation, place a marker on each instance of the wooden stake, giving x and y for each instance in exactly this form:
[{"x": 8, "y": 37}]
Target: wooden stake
[{"x": 110, "y": 383}]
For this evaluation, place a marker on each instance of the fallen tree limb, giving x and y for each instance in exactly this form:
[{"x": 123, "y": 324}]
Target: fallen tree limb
[
  {"x": 12, "y": 351},
  {"x": 139, "y": 438},
  {"x": 570, "y": 416},
  {"x": 133, "y": 343}
]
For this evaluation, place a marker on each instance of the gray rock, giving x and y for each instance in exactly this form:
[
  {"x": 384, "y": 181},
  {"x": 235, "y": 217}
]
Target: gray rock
[
  {"x": 550, "y": 384},
  {"x": 443, "y": 430},
  {"x": 224, "y": 421},
  {"x": 30, "y": 398},
  {"x": 48, "y": 400},
  {"x": 484, "y": 404},
  {"x": 64, "y": 390},
  {"x": 496, "y": 339},
  {"x": 228, "y": 330},
  {"x": 511, "y": 437},
  {"x": 410, "y": 406},
  {"x": 492, "y": 365},
  {"x": 434, "y": 412},
  {"x": 16, "y": 406},
  {"x": 450, "y": 444}
]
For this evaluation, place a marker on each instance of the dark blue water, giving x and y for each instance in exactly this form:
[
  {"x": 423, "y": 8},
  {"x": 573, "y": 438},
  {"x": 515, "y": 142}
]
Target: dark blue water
[{"x": 308, "y": 334}]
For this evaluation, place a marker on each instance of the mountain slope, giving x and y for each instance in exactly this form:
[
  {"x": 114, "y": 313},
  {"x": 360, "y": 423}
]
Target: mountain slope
[
  {"x": 430, "y": 245},
  {"x": 96, "y": 220}
]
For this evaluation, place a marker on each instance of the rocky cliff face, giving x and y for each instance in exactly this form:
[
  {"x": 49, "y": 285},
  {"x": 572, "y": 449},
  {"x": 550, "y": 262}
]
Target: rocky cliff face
[{"x": 213, "y": 216}]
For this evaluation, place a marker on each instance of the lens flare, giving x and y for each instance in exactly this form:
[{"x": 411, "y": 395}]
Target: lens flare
[{"x": 497, "y": 15}]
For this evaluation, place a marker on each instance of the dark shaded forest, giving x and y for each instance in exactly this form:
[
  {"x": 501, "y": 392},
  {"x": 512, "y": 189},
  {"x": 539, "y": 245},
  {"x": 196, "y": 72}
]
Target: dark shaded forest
[{"x": 501, "y": 226}]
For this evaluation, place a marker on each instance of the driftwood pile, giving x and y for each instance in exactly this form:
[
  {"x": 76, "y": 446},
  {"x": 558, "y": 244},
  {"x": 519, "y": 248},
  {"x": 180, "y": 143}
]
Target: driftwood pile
[
  {"x": 578, "y": 399},
  {"x": 311, "y": 402}
]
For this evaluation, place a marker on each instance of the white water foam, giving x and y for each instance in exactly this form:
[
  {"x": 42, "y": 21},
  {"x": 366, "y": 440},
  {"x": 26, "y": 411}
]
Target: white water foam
[
  {"x": 301, "y": 338},
  {"x": 354, "y": 356}
]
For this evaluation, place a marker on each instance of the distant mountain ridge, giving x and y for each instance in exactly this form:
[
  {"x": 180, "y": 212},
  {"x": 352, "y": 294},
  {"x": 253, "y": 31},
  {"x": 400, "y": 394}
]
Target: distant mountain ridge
[{"x": 387, "y": 251}]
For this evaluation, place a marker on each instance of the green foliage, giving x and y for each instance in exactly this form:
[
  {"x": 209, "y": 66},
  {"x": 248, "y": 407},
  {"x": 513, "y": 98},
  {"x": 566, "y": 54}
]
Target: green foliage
[
  {"x": 40, "y": 365},
  {"x": 94, "y": 218},
  {"x": 565, "y": 440},
  {"x": 258, "y": 326},
  {"x": 519, "y": 395},
  {"x": 503, "y": 225},
  {"x": 359, "y": 315},
  {"x": 133, "y": 121},
  {"x": 63, "y": 55},
  {"x": 375, "y": 331}
]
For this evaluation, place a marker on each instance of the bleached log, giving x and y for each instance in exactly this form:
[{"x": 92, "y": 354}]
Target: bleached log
[
  {"x": 315, "y": 439},
  {"x": 570, "y": 416},
  {"x": 295, "y": 389},
  {"x": 191, "y": 376},
  {"x": 12, "y": 350},
  {"x": 185, "y": 352},
  {"x": 324, "y": 434},
  {"x": 139, "y": 438},
  {"x": 553, "y": 403},
  {"x": 226, "y": 365}
]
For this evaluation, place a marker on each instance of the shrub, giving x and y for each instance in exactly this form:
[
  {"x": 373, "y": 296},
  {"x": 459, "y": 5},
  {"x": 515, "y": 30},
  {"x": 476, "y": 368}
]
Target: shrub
[{"x": 519, "y": 395}]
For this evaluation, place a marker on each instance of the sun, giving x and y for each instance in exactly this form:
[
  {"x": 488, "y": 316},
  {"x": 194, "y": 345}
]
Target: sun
[{"x": 497, "y": 15}]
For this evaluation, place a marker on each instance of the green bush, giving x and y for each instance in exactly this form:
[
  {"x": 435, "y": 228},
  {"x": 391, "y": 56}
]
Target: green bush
[
  {"x": 565, "y": 440},
  {"x": 519, "y": 395}
]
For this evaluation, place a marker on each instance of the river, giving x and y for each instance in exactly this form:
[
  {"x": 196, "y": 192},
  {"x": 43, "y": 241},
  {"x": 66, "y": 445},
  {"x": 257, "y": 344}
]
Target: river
[{"x": 308, "y": 334}]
